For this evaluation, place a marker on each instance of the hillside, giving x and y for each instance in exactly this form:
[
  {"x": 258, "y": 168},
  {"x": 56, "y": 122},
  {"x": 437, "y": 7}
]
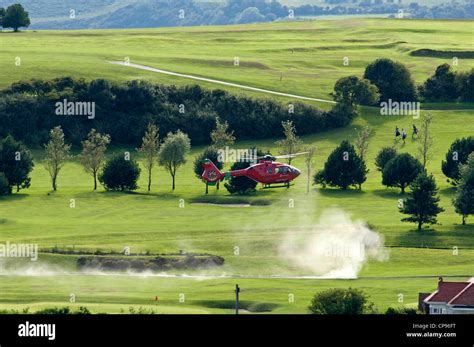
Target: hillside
[
  {"x": 305, "y": 58},
  {"x": 68, "y": 14}
]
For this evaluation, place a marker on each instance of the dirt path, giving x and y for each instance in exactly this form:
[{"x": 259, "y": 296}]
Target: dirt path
[{"x": 229, "y": 84}]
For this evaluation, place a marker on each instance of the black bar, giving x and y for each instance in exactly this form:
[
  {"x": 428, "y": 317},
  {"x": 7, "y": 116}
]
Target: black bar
[{"x": 138, "y": 330}]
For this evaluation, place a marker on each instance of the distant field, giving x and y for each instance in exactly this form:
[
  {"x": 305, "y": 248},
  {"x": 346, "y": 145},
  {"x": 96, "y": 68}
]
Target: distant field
[
  {"x": 304, "y": 57},
  {"x": 155, "y": 222}
]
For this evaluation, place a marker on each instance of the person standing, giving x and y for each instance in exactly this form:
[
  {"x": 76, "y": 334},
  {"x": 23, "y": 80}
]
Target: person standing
[
  {"x": 397, "y": 133},
  {"x": 415, "y": 131}
]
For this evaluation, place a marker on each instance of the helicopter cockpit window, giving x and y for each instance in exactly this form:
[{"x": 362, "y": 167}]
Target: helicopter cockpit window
[
  {"x": 283, "y": 170},
  {"x": 269, "y": 169}
]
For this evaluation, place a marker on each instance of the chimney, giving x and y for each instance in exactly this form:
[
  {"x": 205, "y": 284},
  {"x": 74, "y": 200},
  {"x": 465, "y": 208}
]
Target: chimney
[{"x": 440, "y": 280}]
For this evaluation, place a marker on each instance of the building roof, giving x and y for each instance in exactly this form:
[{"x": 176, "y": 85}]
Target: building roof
[
  {"x": 466, "y": 297},
  {"x": 453, "y": 293}
]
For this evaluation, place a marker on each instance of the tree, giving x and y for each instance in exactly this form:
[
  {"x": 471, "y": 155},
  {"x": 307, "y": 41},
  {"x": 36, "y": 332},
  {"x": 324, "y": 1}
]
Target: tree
[
  {"x": 120, "y": 173},
  {"x": 465, "y": 85},
  {"x": 15, "y": 17},
  {"x": 291, "y": 143},
  {"x": 354, "y": 91},
  {"x": 343, "y": 168},
  {"x": 220, "y": 136},
  {"x": 442, "y": 86},
  {"x": 57, "y": 152},
  {"x": 425, "y": 145},
  {"x": 392, "y": 79},
  {"x": 384, "y": 156},
  {"x": 173, "y": 152},
  {"x": 130, "y": 106},
  {"x": 457, "y": 155},
  {"x": 212, "y": 154},
  {"x": 16, "y": 163},
  {"x": 362, "y": 142},
  {"x": 93, "y": 153},
  {"x": 422, "y": 201},
  {"x": 340, "y": 115},
  {"x": 149, "y": 148},
  {"x": 2, "y": 15},
  {"x": 4, "y": 186},
  {"x": 341, "y": 301},
  {"x": 464, "y": 198},
  {"x": 401, "y": 171},
  {"x": 309, "y": 165}
]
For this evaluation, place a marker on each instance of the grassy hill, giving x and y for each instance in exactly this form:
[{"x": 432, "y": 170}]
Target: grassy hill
[
  {"x": 305, "y": 58},
  {"x": 67, "y": 14},
  {"x": 309, "y": 55},
  {"x": 48, "y": 11}
]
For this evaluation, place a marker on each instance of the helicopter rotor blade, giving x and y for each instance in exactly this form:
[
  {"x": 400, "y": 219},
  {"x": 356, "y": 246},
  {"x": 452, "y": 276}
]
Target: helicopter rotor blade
[
  {"x": 285, "y": 156},
  {"x": 292, "y": 155}
]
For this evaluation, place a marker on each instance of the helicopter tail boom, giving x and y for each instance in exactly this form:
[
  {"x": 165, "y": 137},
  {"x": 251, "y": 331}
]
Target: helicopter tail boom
[{"x": 211, "y": 173}]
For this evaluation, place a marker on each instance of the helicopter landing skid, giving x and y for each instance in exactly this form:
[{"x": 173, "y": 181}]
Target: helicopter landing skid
[{"x": 284, "y": 185}]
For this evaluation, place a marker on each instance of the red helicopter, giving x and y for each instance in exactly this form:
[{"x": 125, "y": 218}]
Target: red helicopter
[{"x": 267, "y": 171}]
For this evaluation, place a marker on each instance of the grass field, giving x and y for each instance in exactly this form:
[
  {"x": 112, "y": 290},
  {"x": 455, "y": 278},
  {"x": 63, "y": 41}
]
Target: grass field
[
  {"x": 155, "y": 222},
  {"x": 307, "y": 55}
]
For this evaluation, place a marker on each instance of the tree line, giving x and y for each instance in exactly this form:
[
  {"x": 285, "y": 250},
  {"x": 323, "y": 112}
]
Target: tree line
[
  {"x": 27, "y": 108},
  {"x": 385, "y": 79},
  {"x": 164, "y": 13},
  {"x": 120, "y": 172},
  {"x": 28, "y": 111}
]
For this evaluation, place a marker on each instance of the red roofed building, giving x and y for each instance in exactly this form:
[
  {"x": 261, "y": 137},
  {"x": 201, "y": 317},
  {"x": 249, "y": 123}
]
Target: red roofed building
[{"x": 450, "y": 298}]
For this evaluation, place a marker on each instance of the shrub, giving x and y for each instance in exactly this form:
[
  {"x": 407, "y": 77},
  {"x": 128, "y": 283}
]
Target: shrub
[
  {"x": 120, "y": 174},
  {"x": 210, "y": 153},
  {"x": 392, "y": 79},
  {"x": 126, "y": 109},
  {"x": 463, "y": 201},
  {"x": 355, "y": 91},
  {"x": 422, "y": 201},
  {"x": 401, "y": 171},
  {"x": 401, "y": 310},
  {"x": 441, "y": 86},
  {"x": 341, "y": 301},
  {"x": 16, "y": 163},
  {"x": 384, "y": 156},
  {"x": 456, "y": 156},
  {"x": 343, "y": 168},
  {"x": 55, "y": 310},
  {"x": 240, "y": 185}
]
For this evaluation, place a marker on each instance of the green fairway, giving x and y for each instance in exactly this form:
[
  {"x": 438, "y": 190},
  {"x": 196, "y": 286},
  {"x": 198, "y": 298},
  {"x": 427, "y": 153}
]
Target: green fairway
[
  {"x": 116, "y": 294},
  {"x": 166, "y": 221},
  {"x": 155, "y": 222},
  {"x": 304, "y": 58}
]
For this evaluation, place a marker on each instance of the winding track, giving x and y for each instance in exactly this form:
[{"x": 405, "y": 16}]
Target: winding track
[{"x": 210, "y": 80}]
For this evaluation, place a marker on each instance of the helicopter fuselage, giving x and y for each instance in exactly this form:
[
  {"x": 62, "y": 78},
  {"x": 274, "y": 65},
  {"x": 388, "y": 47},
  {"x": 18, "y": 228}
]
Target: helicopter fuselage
[{"x": 268, "y": 172}]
